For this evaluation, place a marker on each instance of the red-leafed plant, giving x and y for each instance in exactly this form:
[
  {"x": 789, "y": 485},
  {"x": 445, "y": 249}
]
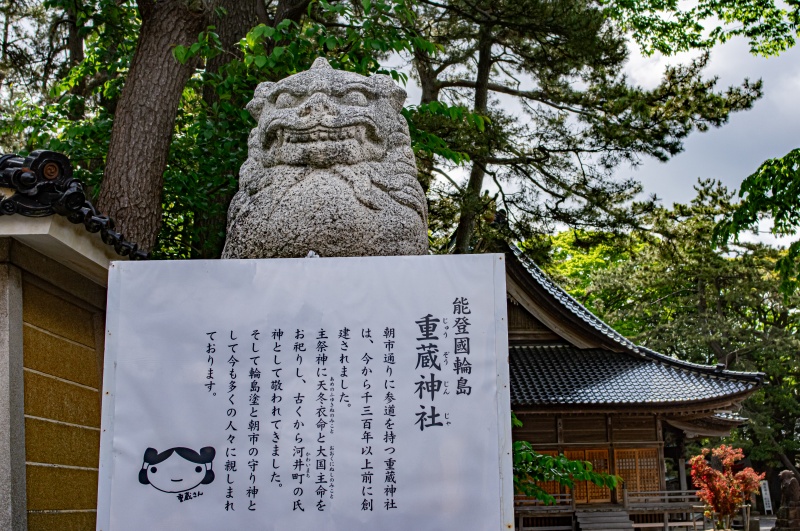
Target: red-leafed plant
[{"x": 723, "y": 492}]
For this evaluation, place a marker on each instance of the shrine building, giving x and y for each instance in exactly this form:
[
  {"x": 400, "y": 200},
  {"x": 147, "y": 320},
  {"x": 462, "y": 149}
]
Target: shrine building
[{"x": 583, "y": 390}]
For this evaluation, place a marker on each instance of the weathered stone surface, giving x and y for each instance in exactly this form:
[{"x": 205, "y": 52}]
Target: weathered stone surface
[
  {"x": 789, "y": 513},
  {"x": 790, "y": 489},
  {"x": 330, "y": 169},
  {"x": 788, "y": 519}
]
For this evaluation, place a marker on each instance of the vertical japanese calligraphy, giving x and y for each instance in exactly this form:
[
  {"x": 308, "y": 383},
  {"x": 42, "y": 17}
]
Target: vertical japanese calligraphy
[
  {"x": 428, "y": 358},
  {"x": 461, "y": 365},
  {"x": 389, "y": 414},
  {"x": 357, "y": 394},
  {"x": 230, "y": 449},
  {"x": 322, "y": 418},
  {"x": 277, "y": 398},
  {"x": 253, "y": 423},
  {"x": 299, "y": 464},
  {"x": 367, "y": 416}
]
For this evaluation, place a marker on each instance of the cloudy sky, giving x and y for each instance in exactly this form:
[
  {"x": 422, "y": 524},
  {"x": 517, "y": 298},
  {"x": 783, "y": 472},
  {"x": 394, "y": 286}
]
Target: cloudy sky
[
  {"x": 735, "y": 150},
  {"x": 729, "y": 153}
]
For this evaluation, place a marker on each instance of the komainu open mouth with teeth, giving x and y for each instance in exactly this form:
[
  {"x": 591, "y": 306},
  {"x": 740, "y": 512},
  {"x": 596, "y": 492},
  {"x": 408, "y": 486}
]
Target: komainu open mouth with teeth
[
  {"x": 321, "y": 146},
  {"x": 330, "y": 169},
  {"x": 322, "y": 134}
]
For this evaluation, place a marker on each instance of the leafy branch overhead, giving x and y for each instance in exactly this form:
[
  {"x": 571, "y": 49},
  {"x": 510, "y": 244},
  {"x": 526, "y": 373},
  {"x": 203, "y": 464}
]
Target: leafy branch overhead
[
  {"x": 579, "y": 118},
  {"x": 528, "y": 97},
  {"x": 669, "y": 27},
  {"x": 211, "y": 125},
  {"x": 772, "y": 191}
]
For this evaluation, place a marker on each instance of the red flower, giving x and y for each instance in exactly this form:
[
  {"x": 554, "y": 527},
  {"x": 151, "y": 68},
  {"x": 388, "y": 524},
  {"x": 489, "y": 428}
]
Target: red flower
[{"x": 723, "y": 491}]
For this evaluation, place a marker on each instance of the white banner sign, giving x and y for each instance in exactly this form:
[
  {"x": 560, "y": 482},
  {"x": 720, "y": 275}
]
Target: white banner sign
[
  {"x": 307, "y": 394},
  {"x": 765, "y": 495}
]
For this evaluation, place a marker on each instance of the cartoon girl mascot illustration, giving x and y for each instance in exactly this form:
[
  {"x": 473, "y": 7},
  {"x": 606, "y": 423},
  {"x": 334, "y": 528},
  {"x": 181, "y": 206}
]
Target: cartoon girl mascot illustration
[{"x": 177, "y": 469}]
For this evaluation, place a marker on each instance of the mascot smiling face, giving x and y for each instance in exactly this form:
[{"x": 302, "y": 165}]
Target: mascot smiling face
[{"x": 330, "y": 169}]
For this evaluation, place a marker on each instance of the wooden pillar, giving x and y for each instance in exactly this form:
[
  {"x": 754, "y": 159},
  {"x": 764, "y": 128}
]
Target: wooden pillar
[
  {"x": 682, "y": 459},
  {"x": 682, "y": 473},
  {"x": 662, "y": 480}
]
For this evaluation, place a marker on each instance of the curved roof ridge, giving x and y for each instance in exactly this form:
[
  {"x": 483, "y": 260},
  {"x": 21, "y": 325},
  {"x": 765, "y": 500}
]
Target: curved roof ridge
[
  {"x": 43, "y": 185},
  {"x": 569, "y": 302},
  {"x": 707, "y": 369},
  {"x": 580, "y": 311}
]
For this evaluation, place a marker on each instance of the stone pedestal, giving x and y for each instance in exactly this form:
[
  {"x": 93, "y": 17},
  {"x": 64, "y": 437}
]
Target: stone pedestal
[{"x": 788, "y": 518}]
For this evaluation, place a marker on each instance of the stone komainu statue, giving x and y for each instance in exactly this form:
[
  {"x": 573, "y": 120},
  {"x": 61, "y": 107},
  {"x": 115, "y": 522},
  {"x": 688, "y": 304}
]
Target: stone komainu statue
[
  {"x": 330, "y": 169},
  {"x": 790, "y": 489}
]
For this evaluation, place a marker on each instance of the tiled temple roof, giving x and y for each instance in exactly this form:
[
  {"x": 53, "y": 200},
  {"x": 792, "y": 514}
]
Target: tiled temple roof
[
  {"x": 564, "y": 374},
  {"x": 568, "y": 302}
]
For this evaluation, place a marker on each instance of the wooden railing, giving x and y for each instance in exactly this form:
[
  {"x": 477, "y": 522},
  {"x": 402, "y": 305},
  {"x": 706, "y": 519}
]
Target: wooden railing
[
  {"x": 678, "y": 508},
  {"x": 543, "y": 517},
  {"x": 563, "y": 503},
  {"x": 678, "y": 500}
]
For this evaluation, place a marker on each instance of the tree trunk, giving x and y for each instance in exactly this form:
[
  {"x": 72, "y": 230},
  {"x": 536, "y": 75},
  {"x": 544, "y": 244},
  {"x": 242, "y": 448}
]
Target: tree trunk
[
  {"x": 76, "y": 56},
  {"x": 6, "y": 27},
  {"x": 145, "y": 118},
  {"x": 428, "y": 82},
  {"x": 290, "y": 9},
  {"x": 471, "y": 201},
  {"x": 241, "y": 16}
]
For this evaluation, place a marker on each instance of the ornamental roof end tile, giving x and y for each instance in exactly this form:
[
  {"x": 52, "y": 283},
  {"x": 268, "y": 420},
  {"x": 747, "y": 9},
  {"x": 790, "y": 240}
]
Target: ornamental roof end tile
[{"x": 43, "y": 186}]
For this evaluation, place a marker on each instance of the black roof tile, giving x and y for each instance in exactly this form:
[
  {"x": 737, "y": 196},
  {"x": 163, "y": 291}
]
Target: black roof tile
[{"x": 564, "y": 374}]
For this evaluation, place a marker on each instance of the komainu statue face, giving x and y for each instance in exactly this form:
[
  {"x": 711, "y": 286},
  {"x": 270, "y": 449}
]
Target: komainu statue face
[{"x": 330, "y": 169}]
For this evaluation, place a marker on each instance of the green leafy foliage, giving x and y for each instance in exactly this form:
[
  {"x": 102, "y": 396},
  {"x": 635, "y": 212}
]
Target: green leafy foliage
[
  {"x": 672, "y": 290},
  {"x": 211, "y": 141},
  {"x": 553, "y": 160},
  {"x": 532, "y": 468},
  {"x": 553, "y": 164},
  {"x": 574, "y": 257},
  {"x": 774, "y": 191},
  {"x": 669, "y": 26},
  {"x": 456, "y": 116},
  {"x": 73, "y": 113}
]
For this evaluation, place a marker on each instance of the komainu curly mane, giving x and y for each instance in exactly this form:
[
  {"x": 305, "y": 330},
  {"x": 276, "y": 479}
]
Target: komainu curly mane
[{"x": 329, "y": 169}]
